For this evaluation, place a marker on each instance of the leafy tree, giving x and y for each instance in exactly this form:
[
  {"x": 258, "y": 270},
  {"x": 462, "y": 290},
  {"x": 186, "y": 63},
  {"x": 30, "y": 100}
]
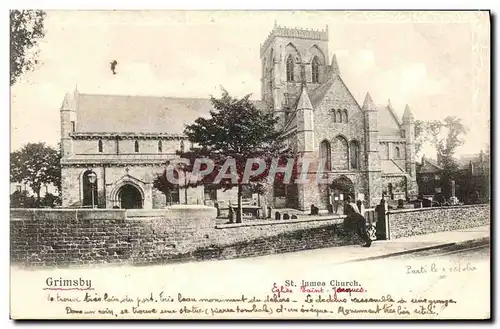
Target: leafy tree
[
  {"x": 37, "y": 165},
  {"x": 26, "y": 28},
  {"x": 236, "y": 131},
  {"x": 21, "y": 199},
  {"x": 50, "y": 200},
  {"x": 420, "y": 136},
  {"x": 445, "y": 136}
]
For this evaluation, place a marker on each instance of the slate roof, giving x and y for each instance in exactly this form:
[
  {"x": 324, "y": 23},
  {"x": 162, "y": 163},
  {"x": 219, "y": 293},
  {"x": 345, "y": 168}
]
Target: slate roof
[
  {"x": 388, "y": 122},
  {"x": 390, "y": 167},
  {"x": 429, "y": 166},
  {"x": 139, "y": 114}
]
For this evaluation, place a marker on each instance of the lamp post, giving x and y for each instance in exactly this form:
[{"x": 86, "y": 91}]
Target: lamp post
[{"x": 92, "y": 178}]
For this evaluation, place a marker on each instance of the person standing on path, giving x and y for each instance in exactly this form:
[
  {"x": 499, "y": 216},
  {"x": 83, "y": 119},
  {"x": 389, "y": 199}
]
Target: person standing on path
[{"x": 356, "y": 222}]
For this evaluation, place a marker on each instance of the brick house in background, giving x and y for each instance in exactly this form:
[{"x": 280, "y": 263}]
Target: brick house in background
[
  {"x": 125, "y": 140},
  {"x": 429, "y": 178},
  {"x": 475, "y": 178}
]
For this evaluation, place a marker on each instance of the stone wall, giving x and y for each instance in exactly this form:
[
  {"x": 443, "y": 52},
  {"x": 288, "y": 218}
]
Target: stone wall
[
  {"x": 189, "y": 233},
  {"x": 64, "y": 240},
  {"x": 410, "y": 222},
  {"x": 160, "y": 236}
]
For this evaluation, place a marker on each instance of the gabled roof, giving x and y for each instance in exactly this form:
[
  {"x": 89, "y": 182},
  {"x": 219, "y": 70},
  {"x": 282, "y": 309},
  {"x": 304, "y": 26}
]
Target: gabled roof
[
  {"x": 139, "y": 114},
  {"x": 388, "y": 122},
  {"x": 429, "y": 167},
  {"x": 318, "y": 94}
]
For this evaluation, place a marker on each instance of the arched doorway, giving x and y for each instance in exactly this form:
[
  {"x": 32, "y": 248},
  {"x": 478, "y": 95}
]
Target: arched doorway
[
  {"x": 341, "y": 188},
  {"x": 130, "y": 197}
]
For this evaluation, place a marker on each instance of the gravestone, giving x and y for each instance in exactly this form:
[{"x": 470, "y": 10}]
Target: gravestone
[
  {"x": 314, "y": 210},
  {"x": 330, "y": 208}
]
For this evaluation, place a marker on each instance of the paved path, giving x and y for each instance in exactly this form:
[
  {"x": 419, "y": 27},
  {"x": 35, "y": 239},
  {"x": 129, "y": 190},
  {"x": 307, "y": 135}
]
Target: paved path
[{"x": 385, "y": 247}]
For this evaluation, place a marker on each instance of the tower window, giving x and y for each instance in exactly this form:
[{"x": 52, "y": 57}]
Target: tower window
[
  {"x": 354, "y": 152},
  {"x": 99, "y": 146},
  {"x": 73, "y": 128},
  {"x": 315, "y": 70},
  {"x": 325, "y": 154},
  {"x": 136, "y": 146},
  {"x": 160, "y": 146},
  {"x": 289, "y": 68}
]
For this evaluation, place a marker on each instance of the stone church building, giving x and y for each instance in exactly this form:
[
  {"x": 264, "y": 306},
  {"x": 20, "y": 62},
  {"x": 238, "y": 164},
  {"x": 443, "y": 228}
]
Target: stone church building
[{"x": 367, "y": 149}]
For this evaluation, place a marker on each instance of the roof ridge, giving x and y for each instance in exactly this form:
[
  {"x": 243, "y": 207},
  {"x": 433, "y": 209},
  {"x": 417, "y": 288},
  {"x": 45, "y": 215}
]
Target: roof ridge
[
  {"x": 152, "y": 96},
  {"x": 315, "y": 98},
  {"x": 433, "y": 163}
]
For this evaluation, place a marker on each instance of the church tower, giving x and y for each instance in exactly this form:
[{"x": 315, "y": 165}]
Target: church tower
[
  {"x": 409, "y": 129},
  {"x": 374, "y": 173},
  {"x": 292, "y": 58}
]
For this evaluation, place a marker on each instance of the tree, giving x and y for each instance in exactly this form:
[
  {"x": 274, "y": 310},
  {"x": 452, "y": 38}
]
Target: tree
[
  {"x": 445, "y": 136},
  {"x": 235, "y": 132},
  {"x": 420, "y": 135},
  {"x": 26, "y": 28},
  {"x": 21, "y": 199},
  {"x": 37, "y": 165},
  {"x": 50, "y": 200}
]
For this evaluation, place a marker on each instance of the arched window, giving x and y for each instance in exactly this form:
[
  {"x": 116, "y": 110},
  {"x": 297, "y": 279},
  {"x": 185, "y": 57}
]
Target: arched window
[
  {"x": 398, "y": 153},
  {"x": 160, "y": 147},
  {"x": 354, "y": 155},
  {"x": 346, "y": 119},
  {"x": 99, "y": 146},
  {"x": 334, "y": 115},
  {"x": 136, "y": 146},
  {"x": 339, "y": 116},
  {"x": 340, "y": 153},
  {"x": 325, "y": 154},
  {"x": 289, "y": 68},
  {"x": 315, "y": 70}
]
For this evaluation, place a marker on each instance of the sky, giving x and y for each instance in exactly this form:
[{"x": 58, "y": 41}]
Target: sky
[{"x": 435, "y": 63}]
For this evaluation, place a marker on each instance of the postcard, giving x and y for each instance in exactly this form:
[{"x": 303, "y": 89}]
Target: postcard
[{"x": 250, "y": 164}]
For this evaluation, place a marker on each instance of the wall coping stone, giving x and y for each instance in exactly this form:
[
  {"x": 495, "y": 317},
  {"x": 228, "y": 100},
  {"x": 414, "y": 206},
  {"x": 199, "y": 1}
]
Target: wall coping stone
[
  {"x": 20, "y": 214},
  {"x": 394, "y": 211},
  {"x": 338, "y": 220},
  {"x": 187, "y": 212}
]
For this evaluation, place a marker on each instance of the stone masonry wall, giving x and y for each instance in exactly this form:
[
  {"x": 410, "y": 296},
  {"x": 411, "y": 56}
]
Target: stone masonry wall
[
  {"x": 151, "y": 237},
  {"x": 410, "y": 222},
  {"x": 67, "y": 241},
  {"x": 173, "y": 235}
]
